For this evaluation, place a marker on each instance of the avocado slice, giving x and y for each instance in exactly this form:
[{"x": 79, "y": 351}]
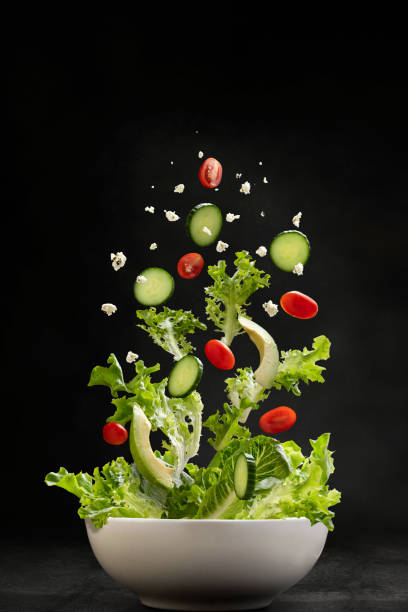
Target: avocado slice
[
  {"x": 268, "y": 352},
  {"x": 146, "y": 461}
]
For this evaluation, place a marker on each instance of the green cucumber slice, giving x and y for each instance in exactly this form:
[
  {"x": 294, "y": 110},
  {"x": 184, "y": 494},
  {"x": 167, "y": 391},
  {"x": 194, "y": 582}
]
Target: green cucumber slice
[
  {"x": 185, "y": 376},
  {"x": 244, "y": 476},
  {"x": 288, "y": 249},
  {"x": 201, "y": 216},
  {"x": 158, "y": 288}
]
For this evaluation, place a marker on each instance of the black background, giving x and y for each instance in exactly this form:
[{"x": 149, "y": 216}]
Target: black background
[{"x": 97, "y": 112}]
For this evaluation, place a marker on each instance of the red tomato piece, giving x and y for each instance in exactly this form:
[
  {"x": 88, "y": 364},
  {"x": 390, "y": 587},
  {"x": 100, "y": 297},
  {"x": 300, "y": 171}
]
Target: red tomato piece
[
  {"x": 219, "y": 354},
  {"x": 115, "y": 433},
  {"x": 190, "y": 265},
  {"x": 277, "y": 420},
  {"x": 299, "y": 305},
  {"x": 210, "y": 173}
]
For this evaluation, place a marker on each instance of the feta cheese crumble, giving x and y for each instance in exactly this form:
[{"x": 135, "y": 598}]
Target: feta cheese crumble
[
  {"x": 221, "y": 246},
  {"x": 172, "y": 162},
  {"x": 152, "y": 186},
  {"x": 109, "y": 309},
  {"x": 179, "y": 188},
  {"x": 262, "y": 213},
  {"x": 238, "y": 175},
  {"x": 245, "y": 188},
  {"x": 153, "y": 246},
  {"x": 260, "y": 163},
  {"x": 298, "y": 269},
  {"x": 270, "y": 308},
  {"x": 141, "y": 279},
  {"x": 149, "y": 209},
  {"x": 261, "y": 251},
  {"x": 296, "y": 219},
  {"x": 118, "y": 260},
  {"x": 200, "y": 154},
  {"x": 131, "y": 357},
  {"x": 207, "y": 230},
  {"x": 230, "y": 217},
  {"x": 265, "y": 180},
  {"x": 171, "y": 215}
]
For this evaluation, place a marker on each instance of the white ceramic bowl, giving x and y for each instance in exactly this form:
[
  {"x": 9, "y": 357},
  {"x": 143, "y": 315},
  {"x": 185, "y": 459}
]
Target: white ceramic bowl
[{"x": 182, "y": 564}]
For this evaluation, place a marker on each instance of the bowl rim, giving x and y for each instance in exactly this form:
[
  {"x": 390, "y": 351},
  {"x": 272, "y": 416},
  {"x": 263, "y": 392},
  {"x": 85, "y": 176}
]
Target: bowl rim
[{"x": 130, "y": 519}]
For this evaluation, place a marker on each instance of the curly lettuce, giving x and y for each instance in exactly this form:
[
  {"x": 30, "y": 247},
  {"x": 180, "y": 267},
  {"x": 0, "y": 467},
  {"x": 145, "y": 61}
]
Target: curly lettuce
[
  {"x": 180, "y": 419},
  {"x": 228, "y": 296},
  {"x": 244, "y": 394},
  {"x": 304, "y": 492},
  {"x": 115, "y": 490},
  {"x": 169, "y": 328},
  {"x": 300, "y": 365}
]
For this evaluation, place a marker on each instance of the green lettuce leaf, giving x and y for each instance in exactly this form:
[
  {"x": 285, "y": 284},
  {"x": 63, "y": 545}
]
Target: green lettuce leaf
[
  {"x": 184, "y": 501},
  {"x": 303, "y": 493},
  {"x": 219, "y": 500},
  {"x": 300, "y": 365},
  {"x": 169, "y": 328},
  {"x": 228, "y": 295},
  {"x": 113, "y": 491},
  {"x": 244, "y": 394},
  {"x": 178, "y": 418}
]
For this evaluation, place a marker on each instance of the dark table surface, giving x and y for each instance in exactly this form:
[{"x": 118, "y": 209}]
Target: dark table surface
[{"x": 52, "y": 572}]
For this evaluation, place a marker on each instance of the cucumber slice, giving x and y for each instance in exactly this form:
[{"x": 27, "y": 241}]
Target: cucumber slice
[
  {"x": 158, "y": 288},
  {"x": 201, "y": 216},
  {"x": 185, "y": 376},
  {"x": 288, "y": 249},
  {"x": 244, "y": 476}
]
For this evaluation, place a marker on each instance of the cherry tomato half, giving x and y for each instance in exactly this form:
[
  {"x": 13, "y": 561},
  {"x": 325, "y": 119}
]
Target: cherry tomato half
[
  {"x": 277, "y": 420},
  {"x": 190, "y": 265},
  {"x": 115, "y": 433},
  {"x": 299, "y": 305},
  {"x": 219, "y": 354},
  {"x": 210, "y": 173}
]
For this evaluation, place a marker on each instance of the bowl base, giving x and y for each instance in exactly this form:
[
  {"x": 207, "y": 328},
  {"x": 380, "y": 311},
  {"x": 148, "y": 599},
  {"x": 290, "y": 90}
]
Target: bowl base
[{"x": 213, "y": 605}]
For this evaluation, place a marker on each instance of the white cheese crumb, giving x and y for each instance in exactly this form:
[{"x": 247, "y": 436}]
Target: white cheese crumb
[
  {"x": 207, "y": 230},
  {"x": 261, "y": 251},
  {"x": 260, "y": 163},
  {"x": 118, "y": 260},
  {"x": 196, "y": 131},
  {"x": 296, "y": 219},
  {"x": 298, "y": 269},
  {"x": 200, "y": 154},
  {"x": 171, "y": 215},
  {"x": 238, "y": 175},
  {"x": 131, "y": 357},
  {"x": 153, "y": 246},
  {"x": 152, "y": 186},
  {"x": 265, "y": 180},
  {"x": 141, "y": 279},
  {"x": 149, "y": 209},
  {"x": 270, "y": 308},
  {"x": 179, "y": 188},
  {"x": 245, "y": 188},
  {"x": 230, "y": 217},
  {"x": 216, "y": 189},
  {"x": 109, "y": 309},
  {"x": 172, "y": 162},
  {"x": 221, "y": 246},
  {"x": 262, "y": 213}
]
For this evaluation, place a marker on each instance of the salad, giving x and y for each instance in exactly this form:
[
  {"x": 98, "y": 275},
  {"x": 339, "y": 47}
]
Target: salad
[{"x": 249, "y": 476}]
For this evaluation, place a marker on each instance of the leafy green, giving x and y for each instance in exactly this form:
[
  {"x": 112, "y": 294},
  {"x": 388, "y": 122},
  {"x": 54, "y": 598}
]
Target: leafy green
[
  {"x": 244, "y": 394},
  {"x": 184, "y": 501},
  {"x": 168, "y": 329},
  {"x": 228, "y": 295},
  {"x": 300, "y": 365},
  {"x": 219, "y": 500},
  {"x": 115, "y": 490},
  {"x": 304, "y": 492},
  {"x": 178, "y": 418}
]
